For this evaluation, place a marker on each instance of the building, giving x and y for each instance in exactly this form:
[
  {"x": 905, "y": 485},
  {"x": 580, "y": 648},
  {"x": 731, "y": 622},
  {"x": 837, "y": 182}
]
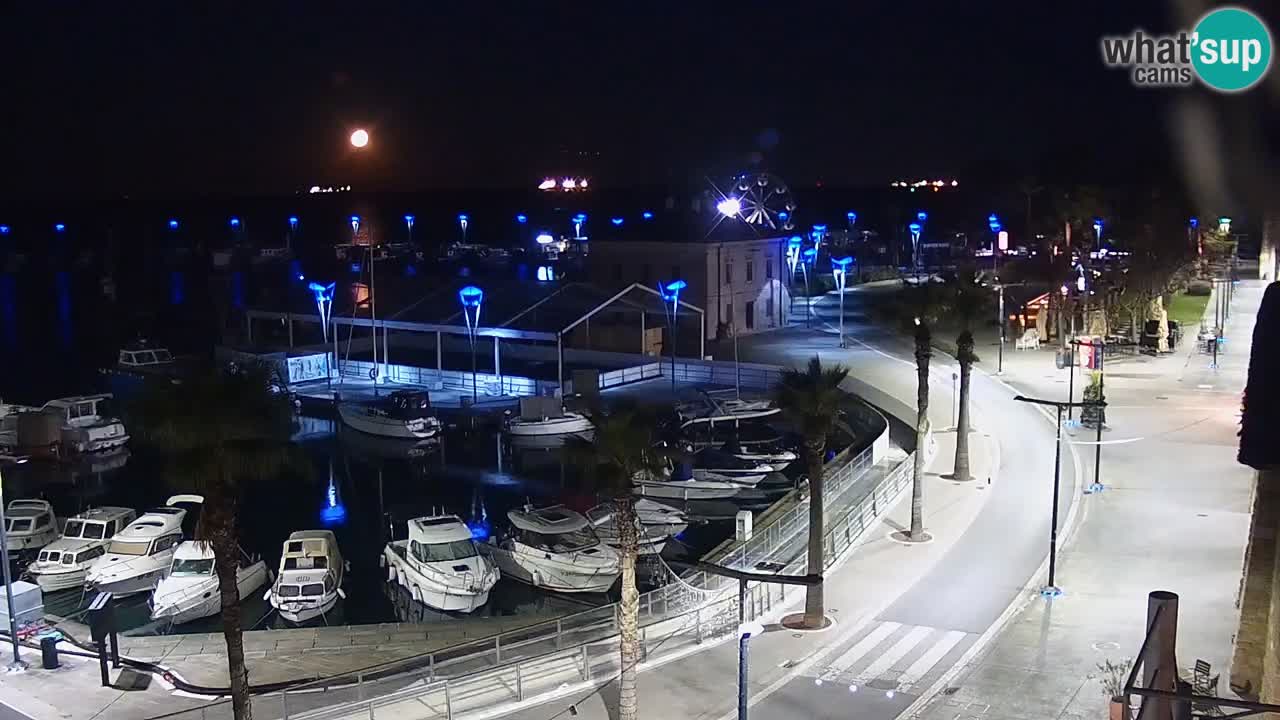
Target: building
[{"x": 738, "y": 281}]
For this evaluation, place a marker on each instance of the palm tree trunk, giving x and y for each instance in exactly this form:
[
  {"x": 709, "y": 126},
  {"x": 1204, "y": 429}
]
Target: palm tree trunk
[
  {"x": 814, "y": 609},
  {"x": 628, "y": 608},
  {"x": 961, "y": 471},
  {"x": 923, "y": 353},
  {"x": 219, "y": 513}
]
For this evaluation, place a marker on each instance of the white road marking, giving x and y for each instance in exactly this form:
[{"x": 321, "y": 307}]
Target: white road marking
[
  {"x": 899, "y": 650},
  {"x": 864, "y": 646},
  {"x": 926, "y": 662}
]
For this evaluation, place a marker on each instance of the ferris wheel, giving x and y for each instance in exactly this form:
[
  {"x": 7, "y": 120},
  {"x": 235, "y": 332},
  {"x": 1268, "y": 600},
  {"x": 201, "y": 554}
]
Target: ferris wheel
[{"x": 762, "y": 199}]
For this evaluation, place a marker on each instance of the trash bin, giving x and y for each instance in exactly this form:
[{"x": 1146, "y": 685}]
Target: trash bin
[{"x": 49, "y": 651}]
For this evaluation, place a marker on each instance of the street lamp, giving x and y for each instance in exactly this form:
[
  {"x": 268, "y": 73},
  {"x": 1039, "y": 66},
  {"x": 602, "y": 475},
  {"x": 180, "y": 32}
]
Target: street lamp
[
  {"x": 578, "y": 221},
  {"x": 838, "y": 268},
  {"x": 408, "y": 223},
  {"x": 993, "y": 223},
  {"x": 521, "y": 218},
  {"x": 852, "y": 217},
  {"x": 173, "y": 225},
  {"x": 746, "y": 631},
  {"x": 355, "y": 227},
  {"x": 915, "y": 229},
  {"x": 729, "y": 207},
  {"x": 324, "y": 303},
  {"x": 17, "y": 663},
  {"x": 810, "y": 255},
  {"x": 462, "y": 223},
  {"x": 819, "y": 231},
  {"x": 671, "y": 294},
  {"x": 1097, "y": 230},
  {"x": 471, "y": 297},
  {"x": 1224, "y": 224}
]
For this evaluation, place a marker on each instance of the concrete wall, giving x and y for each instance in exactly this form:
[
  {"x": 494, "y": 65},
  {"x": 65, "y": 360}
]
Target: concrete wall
[{"x": 1255, "y": 666}]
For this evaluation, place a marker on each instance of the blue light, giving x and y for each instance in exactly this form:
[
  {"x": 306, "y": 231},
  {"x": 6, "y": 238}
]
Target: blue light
[
  {"x": 676, "y": 285},
  {"x": 580, "y": 217},
  {"x": 783, "y": 214},
  {"x": 470, "y": 296},
  {"x": 410, "y": 271},
  {"x": 616, "y": 221},
  {"x": 173, "y": 224},
  {"x": 235, "y": 222},
  {"x": 293, "y": 222},
  {"x": 795, "y": 242},
  {"x": 408, "y": 220},
  {"x": 842, "y": 263},
  {"x": 1193, "y": 222},
  {"x": 914, "y": 228},
  {"x": 995, "y": 227},
  {"x": 355, "y": 267},
  {"x": 852, "y": 216},
  {"x": 922, "y": 216},
  {"x": 355, "y": 218},
  {"x": 992, "y": 219},
  {"x": 819, "y": 228},
  {"x": 463, "y": 217},
  {"x": 522, "y": 218},
  {"x": 810, "y": 254},
  {"x": 4, "y": 229},
  {"x": 646, "y": 215},
  {"x": 479, "y": 530},
  {"x": 59, "y": 227},
  {"x": 545, "y": 239}
]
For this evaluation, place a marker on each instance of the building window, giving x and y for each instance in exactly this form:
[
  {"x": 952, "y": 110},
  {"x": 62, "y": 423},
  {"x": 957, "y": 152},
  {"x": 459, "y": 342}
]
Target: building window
[
  {"x": 751, "y": 312},
  {"x": 768, "y": 269},
  {"x": 751, "y": 271},
  {"x": 617, "y": 272},
  {"x": 728, "y": 273},
  {"x": 768, "y": 308}
]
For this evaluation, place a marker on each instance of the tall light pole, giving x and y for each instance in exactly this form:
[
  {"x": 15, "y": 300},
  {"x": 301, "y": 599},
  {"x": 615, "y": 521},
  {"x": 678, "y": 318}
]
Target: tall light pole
[
  {"x": 793, "y": 259},
  {"x": 839, "y": 266},
  {"x": 471, "y": 297},
  {"x": 408, "y": 223},
  {"x": 915, "y": 229},
  {"x": 671, "y": 294},
  {"x": 463, "y": 221},
  {"x": 993, "y": 223},
  {"x": 578, "y": 221},
  {"x": 810, "y": 255},
  {"x": 17, "y": 663},
  {"x": 819, "y": 232}
]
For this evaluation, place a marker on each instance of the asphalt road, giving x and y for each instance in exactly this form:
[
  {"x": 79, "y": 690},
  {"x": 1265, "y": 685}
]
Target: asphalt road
[{"x": 8, "y": 713}]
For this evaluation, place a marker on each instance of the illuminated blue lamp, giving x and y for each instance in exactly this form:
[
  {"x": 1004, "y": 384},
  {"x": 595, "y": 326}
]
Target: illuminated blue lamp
[
  {"x": 1193, "y": 222},
  {"x": 671, "y": 291},
  {"x": 59, "y": 227},
  {"x": 408, "y": 220},
  {"x": 333, "y": 512},
  {"x": 544, "y": 239},
  {"x": 479, "y": 530},
  {"x": 4, "y": 229},
  {"x": 783, "y": 214},
  {"x": 819, "y": 228},
  {"x": 470, "y": 296},
  {"x": 293, "y": 222},
  {"x": 580, "y": 217},
  {"x": 922, "y": 216},
  {"x": 810, "y": 254},
  {"x": 522, "y": 218},
  {"x": 173, "y": 224},
  {"x": 841, "y": 263},
  {"x": 355, "y": 267},
  {"x": 462, "y": 217},
  {"x": 616, "y": 221},
  {"x": 991, "y": 219},
  {"x": 323, "y": 293},
  {"x": 646, "y": 215},
  {"x": 795, "y": 242},
  {"x": 851, "y": 216},
  {"x": 1097, "y": 225},
  {"x": 914, "y": 228},
  {"x": 235, "y": 222},
  {"x": 995, "y": 226}
]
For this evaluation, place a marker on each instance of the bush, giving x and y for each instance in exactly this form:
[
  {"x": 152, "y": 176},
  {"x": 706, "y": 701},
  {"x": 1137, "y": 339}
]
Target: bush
[{"x": 1199, "y": 287}]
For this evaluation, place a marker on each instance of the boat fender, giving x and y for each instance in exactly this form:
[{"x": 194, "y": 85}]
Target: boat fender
[{"x": 391, "y": 573}]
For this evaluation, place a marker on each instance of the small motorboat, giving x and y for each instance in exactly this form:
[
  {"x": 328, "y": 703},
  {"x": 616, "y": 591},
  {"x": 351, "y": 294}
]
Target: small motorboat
[
  {"x": 554, "y": 548},
  {"x": 547, "y": 416},
  {"x": 710, "y": 463},
  {"x": 62, "y": 564},
  {"x": 403, "y": 414},
  {"x": 717, "y": 409},
  {"x": 776, "y": 457},
  {"x": 81, "y": 426},
  {"x": 687, "y": 489},
  {"x": 140, "y": 555},
  {"x": 655, "y": 524},
  {"x": 440, "y": 565},
  {"x": 190, "y": 590},
  {"x": 29, "y": 525},
  {"x": 309, "y": 583}
]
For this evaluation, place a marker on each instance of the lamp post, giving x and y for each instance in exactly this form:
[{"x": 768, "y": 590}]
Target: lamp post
[
  {"x": 471, "y": 297},
  {"x": 408, "y": 223},
  {"x": 993, "y": 223},
  {"x": 463, "y": 220},
  {"x": 838, "y": 268},
  {"x": 17, "y": 663},
  {"x": 671, "y": 294},
  {"x": 819, "y": 232},
  {"x": 915, "y": 229},
  {"x": 1051, "y": 589},
  {"x": 578, "y": 221},
  {"x": 809, "y": 256}
]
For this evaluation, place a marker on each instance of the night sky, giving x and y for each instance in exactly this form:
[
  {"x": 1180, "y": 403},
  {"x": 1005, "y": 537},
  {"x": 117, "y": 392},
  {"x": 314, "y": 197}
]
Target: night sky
[{"x": 160, "y": 98}]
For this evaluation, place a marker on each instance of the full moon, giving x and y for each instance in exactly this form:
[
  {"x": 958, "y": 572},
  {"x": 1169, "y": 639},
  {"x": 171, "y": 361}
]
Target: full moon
[{"x": 359, "y": 138}]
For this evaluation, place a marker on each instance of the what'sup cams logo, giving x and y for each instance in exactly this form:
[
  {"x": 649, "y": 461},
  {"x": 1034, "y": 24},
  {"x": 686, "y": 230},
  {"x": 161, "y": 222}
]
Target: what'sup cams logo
[{"x": 1229, "y": 50}]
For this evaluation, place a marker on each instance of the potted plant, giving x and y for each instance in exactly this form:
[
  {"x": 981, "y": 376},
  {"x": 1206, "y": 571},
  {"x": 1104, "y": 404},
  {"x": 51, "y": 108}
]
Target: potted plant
[{"x": 1113, "y": 676}]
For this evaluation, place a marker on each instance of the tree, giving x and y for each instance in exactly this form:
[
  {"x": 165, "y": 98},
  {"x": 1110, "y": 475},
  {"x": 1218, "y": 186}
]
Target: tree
[
  {"x": 811, "y": 399},
  {"x": 621, "y": 449},
  {"x": 923, "y": 352},
  {"x": 222, "y": 432},
  {"x": 965, "y": 302}
]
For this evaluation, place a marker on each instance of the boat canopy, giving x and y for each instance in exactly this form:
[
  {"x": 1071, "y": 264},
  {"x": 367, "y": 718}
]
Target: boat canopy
[
  {"x": 557, "y": 519},
  {"x": 308, "y": 550}
]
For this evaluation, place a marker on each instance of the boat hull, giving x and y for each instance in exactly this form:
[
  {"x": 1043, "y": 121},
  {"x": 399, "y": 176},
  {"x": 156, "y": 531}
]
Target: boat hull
[
  {"x": 559, "y": 577},
  {"x": 567, "y": 425},
  {"x": 132, "y": 584},
  {"x": 356, "y": 417},
  {"x": 203, "y": 600},
  {"x": 303, "y": 611},
  {"x": 687, "y": 490},
  {"x": 56, "y": 581}
]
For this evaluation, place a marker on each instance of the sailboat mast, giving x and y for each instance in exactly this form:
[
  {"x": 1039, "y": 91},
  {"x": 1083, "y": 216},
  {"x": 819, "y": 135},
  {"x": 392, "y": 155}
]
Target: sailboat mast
[{"x": 373, "y": 315}]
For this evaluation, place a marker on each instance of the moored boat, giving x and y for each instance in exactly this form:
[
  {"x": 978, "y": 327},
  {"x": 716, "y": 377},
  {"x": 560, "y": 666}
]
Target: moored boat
[
  {"x": 309, "y": 581},
  {"x": 190, "y": 590},
  {"x": 63, "y": 563},
  {"x": 554, "y": 548},
  {"x": 440, "y": 565},
  {"x": 403, "y": 414}
]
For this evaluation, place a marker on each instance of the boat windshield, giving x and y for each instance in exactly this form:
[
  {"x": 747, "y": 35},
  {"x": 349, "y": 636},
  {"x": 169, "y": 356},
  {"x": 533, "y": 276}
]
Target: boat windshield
[
  {"x": 579, "y": 539},
  {"x": 193, "y": 567},
  {"x": 19, "y": 524},
  {"x": 93, "y": 530},
  {"x": 440, "y": 552},
  {"x": 125, "y": 547},
  {"x": 73, "y": 529}
]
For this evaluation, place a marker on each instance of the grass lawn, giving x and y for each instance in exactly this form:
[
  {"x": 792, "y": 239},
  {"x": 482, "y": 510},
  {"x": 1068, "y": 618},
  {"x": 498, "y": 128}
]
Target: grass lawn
[{"x": 1187, "y": 309}]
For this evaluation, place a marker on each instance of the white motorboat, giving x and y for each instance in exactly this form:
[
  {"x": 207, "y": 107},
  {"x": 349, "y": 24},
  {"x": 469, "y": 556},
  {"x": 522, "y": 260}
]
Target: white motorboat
[
  {"x": 712, "y": 463},
  {"x": 402, "y": 414},
  {"x": 29, "y": 525},
  {"x": 9, "y": 413},
  {"x": 655, "y": 523},
  {"x": 140, "y": 555},
  {"x": 309, "y": 582},
  {"x": 691, "y": 488},
  {"x": 62, "y": 564},
  {"x": 777, "y": 458},
  {"x": 190, "y": 590},
  {"x": 546, "y": 416},
  {"x": 84, "y": 428},
  {"x": 556, "y": 549},
  {"x": 715, "y": 409},
  {"x": 440, "y": 565},
  {"x": 143, "y": 359}
]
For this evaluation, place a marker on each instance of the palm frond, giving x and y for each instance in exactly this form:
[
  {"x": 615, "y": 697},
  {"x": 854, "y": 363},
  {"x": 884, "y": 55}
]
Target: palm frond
[{"x": 811, "y": 398}]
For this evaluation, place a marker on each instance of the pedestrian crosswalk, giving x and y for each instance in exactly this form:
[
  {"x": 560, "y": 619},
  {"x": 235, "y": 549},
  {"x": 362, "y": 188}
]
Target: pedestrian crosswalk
[{"x": 891, "y": 656}]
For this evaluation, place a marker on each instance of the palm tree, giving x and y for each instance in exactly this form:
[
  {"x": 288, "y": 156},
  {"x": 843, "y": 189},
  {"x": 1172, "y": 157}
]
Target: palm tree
[
  {"x": 811, "y": 399},
  {"x": 621, "y": 448},
  {"x": 222, "y": 432},
  {"x": 923, "y": 352},
  {"x": 965, "y": 302}
]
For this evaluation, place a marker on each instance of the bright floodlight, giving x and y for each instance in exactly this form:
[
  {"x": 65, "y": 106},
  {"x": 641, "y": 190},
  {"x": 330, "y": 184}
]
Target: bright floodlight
[
  {"x": 545, "y": 239},
  {"x": 729, "y": 207},
  {"x": 173, "y": 224},
  {"x": 359, "y": 138}
]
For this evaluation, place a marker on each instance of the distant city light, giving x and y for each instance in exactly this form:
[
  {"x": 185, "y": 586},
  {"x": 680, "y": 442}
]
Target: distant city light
[
  {"x": 616, "y": 221},
  {"x": 544, "y": 239},
  {"x": 729, "y": 206},
  {"x": 315, "y": 189},
  {"x": 173, "y": 224},
  {"x": 567, "y": 184},
  {"x": 646, "y": 215},
  {"x": 547, "y": 184},
  {"x": 360, "y": 138},
  {"x": 522, "y": 218},
  {"x": 935, "y": 184}
]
